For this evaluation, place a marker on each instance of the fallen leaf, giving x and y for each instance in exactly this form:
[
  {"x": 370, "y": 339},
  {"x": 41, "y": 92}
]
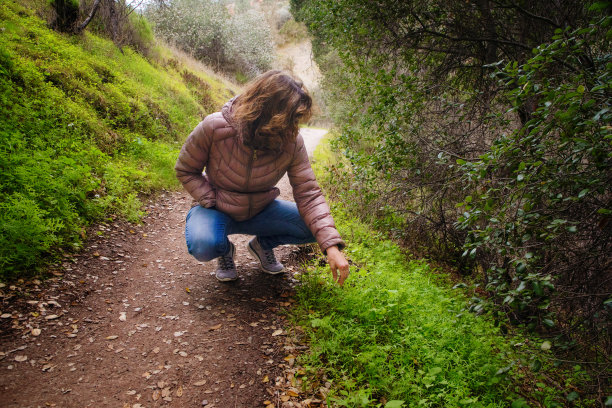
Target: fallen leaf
[
  {"x": 51, "y": 317},
  {"x": 21, "y": 359},
  {"x": 253, "y": 324},
  {"x": 215, "y": 327},
  {"x": 36, "y": 332},
  {"x": 113, "y": 337},
  {"x": 122, "y": 317},
  {"x": 182, "y": 354},
  {"x": 265, "y": 379},
  {"x": 156, "y": 350},
  {"x": 285, "y": 398},
  {"x": 131, "y": 392},
  {"x": 187, "y": 290},
  {"x": 199, "y": 383},
  {"x": 277, "y": 332},
  {"x": 178, "y": 333},
  {"x": 292, "y": 393},
  {"x": 165, "y": 392},
  {"x": 179, "y": 391},
  {"x": 156, "y": 395}
]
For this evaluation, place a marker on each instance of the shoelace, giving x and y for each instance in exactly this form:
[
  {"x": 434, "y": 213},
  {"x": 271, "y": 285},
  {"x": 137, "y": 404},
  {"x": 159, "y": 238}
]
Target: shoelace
[
  {"x": 226, "y": 262},
  {"x": 269, "y": 254}
]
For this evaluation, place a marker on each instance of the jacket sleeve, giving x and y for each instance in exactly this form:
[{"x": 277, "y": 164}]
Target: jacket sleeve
[
  {"x": 193, "y": 159},
  {"x": 310, "y": 200}
]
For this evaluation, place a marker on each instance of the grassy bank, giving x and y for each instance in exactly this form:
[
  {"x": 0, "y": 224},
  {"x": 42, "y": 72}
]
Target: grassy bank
[
  {"x": 397, "y": 335},
  {"x": 85, "y": 129}
]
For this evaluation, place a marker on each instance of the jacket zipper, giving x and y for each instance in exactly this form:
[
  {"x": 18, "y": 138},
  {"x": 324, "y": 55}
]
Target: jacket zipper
[{"x": 248, "y": 179}]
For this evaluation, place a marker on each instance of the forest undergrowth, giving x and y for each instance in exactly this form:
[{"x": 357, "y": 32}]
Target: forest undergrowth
[{"x": 397, "y": 335}]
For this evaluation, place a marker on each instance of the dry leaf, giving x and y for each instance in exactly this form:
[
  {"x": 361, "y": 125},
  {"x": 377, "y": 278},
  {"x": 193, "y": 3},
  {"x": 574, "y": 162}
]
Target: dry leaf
[
  {"x": 122, "y": 317},
  {"x": 265, "y": 379},
  {"x": 292, "y": 393},
  {"x": 165, "y": 392},
  {"x": 113, "y": 337},
  {"x": 51, "y": 317},
  {"x": 199, "y": 383},
  {"x": 21, "y": 359},
  {"x": 187, "y": 290},
  {"x": 215, "y": 327},
  {"x": 277, "y": 332},
  {"x": 36, "y": 332},
  {"x": 156, "y": 395},
  {"x": 253, "y": 324},
  {"x": 179, "y": 391}
]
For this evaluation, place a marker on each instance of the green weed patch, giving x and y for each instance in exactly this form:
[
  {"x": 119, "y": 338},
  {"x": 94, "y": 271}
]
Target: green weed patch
[
  {"x": 85, "y": 129},
  {"x": 397, "y": 335}
]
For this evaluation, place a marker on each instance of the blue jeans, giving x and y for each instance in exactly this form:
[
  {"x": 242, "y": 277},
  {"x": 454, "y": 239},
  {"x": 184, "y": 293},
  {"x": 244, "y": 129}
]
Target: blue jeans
[{"x": 206, "y": 229}]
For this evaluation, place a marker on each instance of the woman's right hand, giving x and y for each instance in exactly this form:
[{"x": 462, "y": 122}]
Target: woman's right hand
[{"x": 338, "y": 264}]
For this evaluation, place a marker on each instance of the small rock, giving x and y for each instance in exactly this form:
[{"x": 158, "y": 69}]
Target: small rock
[{"x": 204, "y": 403}]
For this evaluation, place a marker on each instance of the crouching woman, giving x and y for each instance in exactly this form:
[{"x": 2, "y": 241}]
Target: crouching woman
[{"x": 245, "y": 150}]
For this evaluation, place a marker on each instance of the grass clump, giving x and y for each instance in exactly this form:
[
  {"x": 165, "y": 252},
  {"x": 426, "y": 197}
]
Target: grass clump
[
  {"x": 396, "y": 335},
  {"x": 85, "y": 129}
]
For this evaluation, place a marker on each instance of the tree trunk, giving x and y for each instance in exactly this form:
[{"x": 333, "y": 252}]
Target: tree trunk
[{"x": 90, "y": 17}]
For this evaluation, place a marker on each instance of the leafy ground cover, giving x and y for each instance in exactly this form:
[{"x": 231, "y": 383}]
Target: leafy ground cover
[
  {"x": 397, "y": 335},
  {"x": 85, "y": 128}
]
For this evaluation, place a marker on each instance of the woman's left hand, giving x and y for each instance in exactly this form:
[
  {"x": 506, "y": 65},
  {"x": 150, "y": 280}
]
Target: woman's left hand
[{"x": 338, "y": 264}]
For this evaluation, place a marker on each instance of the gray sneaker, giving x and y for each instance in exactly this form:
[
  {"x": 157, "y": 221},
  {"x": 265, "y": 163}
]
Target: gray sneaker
[
  {"x": 226, "y": 269},
  {"x": 266, "y": 258}
]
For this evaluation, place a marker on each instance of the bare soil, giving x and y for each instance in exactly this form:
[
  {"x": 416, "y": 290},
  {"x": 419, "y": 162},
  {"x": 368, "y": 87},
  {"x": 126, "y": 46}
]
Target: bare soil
[{"x": 135, "y": 321}]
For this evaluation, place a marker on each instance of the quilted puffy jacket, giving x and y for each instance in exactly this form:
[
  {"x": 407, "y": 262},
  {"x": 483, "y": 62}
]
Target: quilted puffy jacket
[{"x": 240, "y": 181}]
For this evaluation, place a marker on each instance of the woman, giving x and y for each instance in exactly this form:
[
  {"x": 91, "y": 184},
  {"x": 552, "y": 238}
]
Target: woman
[{"x": 246, "y": 149}]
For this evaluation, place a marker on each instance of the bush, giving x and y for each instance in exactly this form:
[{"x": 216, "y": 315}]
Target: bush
[{"x": 239, "y": 42}]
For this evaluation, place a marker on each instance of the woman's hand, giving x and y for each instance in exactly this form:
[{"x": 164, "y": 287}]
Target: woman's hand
[{"x": 338, "y": 264}]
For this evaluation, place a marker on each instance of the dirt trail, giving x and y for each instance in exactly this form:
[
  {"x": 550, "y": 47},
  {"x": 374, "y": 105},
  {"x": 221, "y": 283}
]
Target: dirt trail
[
  {"x": 135, "y": 321},
  {"x": 297, "y": 57}
]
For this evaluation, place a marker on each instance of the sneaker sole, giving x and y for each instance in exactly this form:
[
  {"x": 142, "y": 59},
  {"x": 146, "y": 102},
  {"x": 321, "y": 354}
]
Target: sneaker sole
[
  {"x": 226, "y": 279},
  {"x": 269, "y": 272}
]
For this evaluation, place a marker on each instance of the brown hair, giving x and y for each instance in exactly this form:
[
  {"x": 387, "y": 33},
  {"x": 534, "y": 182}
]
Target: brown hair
[{"x": 269, "y": 111}]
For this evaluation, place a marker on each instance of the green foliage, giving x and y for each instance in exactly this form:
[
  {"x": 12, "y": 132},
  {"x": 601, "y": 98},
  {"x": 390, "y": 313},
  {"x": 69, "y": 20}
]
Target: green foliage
[
  {"x": 237, "y": 41},
  {"x": 541, "y": 205},
  {"x": 395, "y": 332},
  {"x": 85, "y": 130},
  {"x": 479, "y": 135},
  {"x": 292, "y": 32}
]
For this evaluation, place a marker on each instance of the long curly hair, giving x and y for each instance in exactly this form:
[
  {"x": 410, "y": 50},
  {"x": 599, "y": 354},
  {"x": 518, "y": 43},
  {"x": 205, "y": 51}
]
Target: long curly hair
[{"x": 270, "y": 110}]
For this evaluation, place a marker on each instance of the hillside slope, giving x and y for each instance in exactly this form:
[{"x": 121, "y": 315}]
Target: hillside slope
[{"x": 84, "y": 128}]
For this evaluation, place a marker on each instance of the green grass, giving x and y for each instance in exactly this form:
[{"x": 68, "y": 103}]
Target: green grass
[
  {"x": 86, "y": 129},
  {"x": 397, "y": 332}
]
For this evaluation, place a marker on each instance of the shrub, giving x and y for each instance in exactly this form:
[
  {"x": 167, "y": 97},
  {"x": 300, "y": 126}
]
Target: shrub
[{"x": 232, "y": 43}]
